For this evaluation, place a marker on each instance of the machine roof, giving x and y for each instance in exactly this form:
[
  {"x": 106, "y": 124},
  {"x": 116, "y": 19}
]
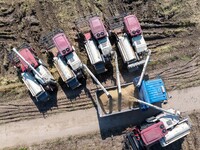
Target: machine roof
[
  {"x": 132, "y": 25},
  {"x": 97, "y": 27},
  {"x": 153, "y": 133},
  {"x": 62, "y": 44}
]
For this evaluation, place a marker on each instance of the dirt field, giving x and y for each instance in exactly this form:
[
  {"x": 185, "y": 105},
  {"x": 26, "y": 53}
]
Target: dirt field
[
  {"x": 170, "y": 27},
  {"x": 83, "y": 129}
]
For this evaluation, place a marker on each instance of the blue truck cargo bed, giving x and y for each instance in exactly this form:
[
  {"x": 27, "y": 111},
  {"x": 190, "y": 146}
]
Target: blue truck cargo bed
[{"x": 152, "y": 91}]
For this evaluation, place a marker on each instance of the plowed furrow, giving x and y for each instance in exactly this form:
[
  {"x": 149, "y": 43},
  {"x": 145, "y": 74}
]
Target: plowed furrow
[{"x": 29, "y": 112}]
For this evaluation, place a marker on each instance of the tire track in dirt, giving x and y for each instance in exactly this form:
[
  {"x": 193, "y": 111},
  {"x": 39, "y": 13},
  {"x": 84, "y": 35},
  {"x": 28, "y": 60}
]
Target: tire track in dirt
[
  {"x": 16, "y": 112},
  {"x": 25, "y": 109},
  {"x": 45, "y": 14},
  {"x": 80, "y": 9},
  {"x": 181, "y": 75}
]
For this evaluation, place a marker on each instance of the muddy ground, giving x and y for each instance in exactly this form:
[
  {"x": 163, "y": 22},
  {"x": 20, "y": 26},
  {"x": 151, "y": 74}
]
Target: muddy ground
[{"x": 170, "y": 27}]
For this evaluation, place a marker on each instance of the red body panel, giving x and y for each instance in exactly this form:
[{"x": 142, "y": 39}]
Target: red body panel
[
  {"x": 28, "y": 56},
  {"x": 97, "y": 27},
  {"x": 87, "y": 36},
  {"x": 132, "y": 25},
  {"x": 153, "y": 133},
  {"x": 62, "y": 44}
]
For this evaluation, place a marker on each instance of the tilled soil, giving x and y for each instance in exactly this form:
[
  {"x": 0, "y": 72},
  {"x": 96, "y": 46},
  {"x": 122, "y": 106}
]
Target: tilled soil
[{"x": 171, "y": 29}]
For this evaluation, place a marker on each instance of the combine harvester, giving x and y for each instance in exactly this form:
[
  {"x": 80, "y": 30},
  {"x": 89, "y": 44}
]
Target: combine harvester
[
  {"x": 130, "y": 41},
  {"x": 164, "y": 128},
  {"x": 96, "y": 41},
  {"x": 34, "y": 74},
  {"x": 67, "y": 61},
  {"x": 65, "y": 58}
]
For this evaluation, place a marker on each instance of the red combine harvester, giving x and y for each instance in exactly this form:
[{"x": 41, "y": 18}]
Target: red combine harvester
[
  {"x": 96, "y": 41},
  {"x": 164, "y": 128},
  {"x": 133, "y": 29},
  {"x": 65, "y": 58},
  {"x": 34, "y": 74},
  {"x": 130, "y": 41}
]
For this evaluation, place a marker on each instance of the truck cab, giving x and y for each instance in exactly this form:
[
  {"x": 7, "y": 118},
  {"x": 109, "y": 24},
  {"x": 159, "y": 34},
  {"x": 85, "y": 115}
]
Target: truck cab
[
  {"x": 62, "y": 44},
  {"x": 28, "y": 56},
  {"x": 153, "y": 133}
]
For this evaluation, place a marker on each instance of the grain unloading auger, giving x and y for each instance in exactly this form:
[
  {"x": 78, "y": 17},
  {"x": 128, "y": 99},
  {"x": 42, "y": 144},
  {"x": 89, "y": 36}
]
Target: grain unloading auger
[
  {"x": 34, "y": 74},
  {"x": 101, "y": 86}
]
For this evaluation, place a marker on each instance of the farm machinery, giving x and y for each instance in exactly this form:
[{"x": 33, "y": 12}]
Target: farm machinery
[
  {"x": 129, "y": 39},
  {"x": 67, "y": 61},
  {"x": 165, "y": 128},
  {"x": 34, "y": 73},
  {"x": 96, "y": 41},
  {"x": 65, "y": 58}
]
